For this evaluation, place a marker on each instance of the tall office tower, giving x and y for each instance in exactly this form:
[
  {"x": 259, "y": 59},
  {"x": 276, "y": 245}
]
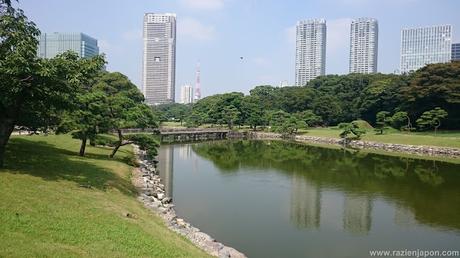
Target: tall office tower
[
  {"x": 159, "y": 62},
  {"x": 186, "y": 94},
  {"x": 456, "y": 52},
  {"x": 364, "y": 37},
  {"x": 427, "y": 45},
  {"x": 52, "y": 44},
  {"x": 310, "y": 61},
  {"x": 198, "y": 83}
]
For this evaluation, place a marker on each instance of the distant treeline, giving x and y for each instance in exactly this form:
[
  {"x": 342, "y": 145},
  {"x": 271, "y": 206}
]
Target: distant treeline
[{"x": 332, "y": 99}]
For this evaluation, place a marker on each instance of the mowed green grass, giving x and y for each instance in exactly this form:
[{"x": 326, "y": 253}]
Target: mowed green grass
[
  {"x": 45, "y": 211},
  {"x": 443, "y": 138}
]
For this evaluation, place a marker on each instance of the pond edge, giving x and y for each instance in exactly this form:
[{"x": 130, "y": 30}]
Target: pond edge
[{"x": 152, "y": 194}]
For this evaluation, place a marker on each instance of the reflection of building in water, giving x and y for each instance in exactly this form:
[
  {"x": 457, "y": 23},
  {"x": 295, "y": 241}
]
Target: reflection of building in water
[
  {"x": 165, "y": 166},
  {"x": 305, "y": 203},
  {"x": 404, "y": 216},
  {"x": 357, "y": 214},
  {"x": 185, "y": 151}
]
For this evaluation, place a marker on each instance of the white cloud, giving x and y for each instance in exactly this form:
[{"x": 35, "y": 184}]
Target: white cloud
[
  {"x": 203, "y": 4},
  {"x": 194, "y": 29}
]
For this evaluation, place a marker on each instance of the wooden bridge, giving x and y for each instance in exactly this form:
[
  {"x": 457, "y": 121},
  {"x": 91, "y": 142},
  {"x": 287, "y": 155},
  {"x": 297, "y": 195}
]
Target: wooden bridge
[
  {"x": 170, "y": 134},
  {"x": 189, "y": 135}
]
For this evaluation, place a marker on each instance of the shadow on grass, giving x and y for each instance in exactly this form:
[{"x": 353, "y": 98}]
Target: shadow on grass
[{"x": 41, "y": 159}]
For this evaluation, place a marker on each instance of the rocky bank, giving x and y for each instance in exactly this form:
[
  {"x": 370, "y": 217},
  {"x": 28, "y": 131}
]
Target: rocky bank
[{"x": 152, "y": 195}]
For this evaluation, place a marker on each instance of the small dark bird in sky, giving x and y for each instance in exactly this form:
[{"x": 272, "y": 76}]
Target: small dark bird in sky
[{"x": 241, "y": 57}]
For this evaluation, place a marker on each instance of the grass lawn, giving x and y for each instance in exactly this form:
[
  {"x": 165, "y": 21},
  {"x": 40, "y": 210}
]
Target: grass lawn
[
  {"x": 45, "y": 212},
  {"x": 443, "y": 138}
]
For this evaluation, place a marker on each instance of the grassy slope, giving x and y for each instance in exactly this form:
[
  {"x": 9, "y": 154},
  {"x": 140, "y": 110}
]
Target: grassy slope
[
  {"x": 444, "y": 138},
  {"x": 45, "y": 212}
]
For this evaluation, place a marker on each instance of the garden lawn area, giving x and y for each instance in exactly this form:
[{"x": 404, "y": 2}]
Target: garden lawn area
[
  {"x": 54, "y": 203},
  {"x": 443, "y": 138}
]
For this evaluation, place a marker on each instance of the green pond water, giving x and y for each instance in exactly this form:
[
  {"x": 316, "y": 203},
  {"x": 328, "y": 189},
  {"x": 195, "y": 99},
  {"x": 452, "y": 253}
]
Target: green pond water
[{"x": 281, "y": 199}]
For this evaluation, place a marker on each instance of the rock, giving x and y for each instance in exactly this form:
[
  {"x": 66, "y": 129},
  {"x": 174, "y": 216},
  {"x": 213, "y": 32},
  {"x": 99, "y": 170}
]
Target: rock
[
  {"x": 166, "y": 200},
  {"x": 180, "y": 222},
  {"x": 160, "y": 196}
]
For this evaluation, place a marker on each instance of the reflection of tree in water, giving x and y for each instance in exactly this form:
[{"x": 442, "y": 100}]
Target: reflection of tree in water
[
  {"x": 429, "y": 189},
  {"x": 357, "y": 211},
  {"x": 429, "y": 175},
  {"x": 305, "y": 203}
]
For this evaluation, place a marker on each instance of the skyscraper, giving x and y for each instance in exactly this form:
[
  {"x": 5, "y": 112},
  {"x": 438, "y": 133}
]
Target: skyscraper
[
  {"x": 364, "y": 37},
  {"x": 198, "y": 83},
  {"x": 159, "y": 62},
  {"x": 456, "y": 52},
  {"x": 186, "y": 94},
  {"x": 426, "y": 45},
  {"x": 52, "y": 44},
  {"x": 310, "y": 50}
]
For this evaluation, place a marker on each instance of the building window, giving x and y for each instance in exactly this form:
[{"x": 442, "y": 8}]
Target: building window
[{"x": 157, "y": 59}]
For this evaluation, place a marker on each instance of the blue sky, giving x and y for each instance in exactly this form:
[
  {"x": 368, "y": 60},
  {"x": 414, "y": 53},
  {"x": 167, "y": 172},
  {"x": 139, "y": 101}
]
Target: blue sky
[{"x": 218, "y": 32}]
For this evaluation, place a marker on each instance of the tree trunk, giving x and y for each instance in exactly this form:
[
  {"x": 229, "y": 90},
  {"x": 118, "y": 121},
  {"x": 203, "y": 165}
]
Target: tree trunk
[
  {"x": 6, "y": 128},
  {"x": 120, "y": 142},
  {"x": 83, "y": 146}
]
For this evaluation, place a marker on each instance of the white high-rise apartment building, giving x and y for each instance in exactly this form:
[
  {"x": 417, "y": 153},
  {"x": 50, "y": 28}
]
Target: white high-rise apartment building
[
  {"x": 186, "y": 94},
  {"x": 310, "y": 59},
  {"x": 426, "y": 45},
  {"x": 159, "y": 62},
  {"x": 364, "y": 37}
]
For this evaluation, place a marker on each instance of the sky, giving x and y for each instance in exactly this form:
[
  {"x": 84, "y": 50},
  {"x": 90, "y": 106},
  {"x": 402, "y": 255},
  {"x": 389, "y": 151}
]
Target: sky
[{"x": 217, "y": 33}]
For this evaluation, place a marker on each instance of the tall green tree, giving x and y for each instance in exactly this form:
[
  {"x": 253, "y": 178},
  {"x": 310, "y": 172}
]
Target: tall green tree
[
  {"x": 382, "y": 121},
  {"x": 309, "y": 117},
  {"x": 125, "y": 107},
  {"x": 432, "y": 119},
  {"x": 33, "y": 90},
  {"x": 252, "y": 113},
  {"x": 88, "y": 118},
  {"x": 435, "y": 85},
  {"x": 401, "y": 121}
]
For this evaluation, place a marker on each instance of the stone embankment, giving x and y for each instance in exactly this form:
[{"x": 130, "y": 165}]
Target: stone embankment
[
  {"x": 153, "y": 196},
  {"x": 411, "y": 149}
]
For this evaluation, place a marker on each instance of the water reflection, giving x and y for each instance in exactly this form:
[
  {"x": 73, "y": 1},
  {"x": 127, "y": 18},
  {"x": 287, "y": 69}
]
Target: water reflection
[
  {"x": 425, "y": 191},
  {"x": 305, "y": 203},
  {"x": 166, "y": 167},
  {"x": 357, "y": 214},
  {"x": 404, "y": 216}
]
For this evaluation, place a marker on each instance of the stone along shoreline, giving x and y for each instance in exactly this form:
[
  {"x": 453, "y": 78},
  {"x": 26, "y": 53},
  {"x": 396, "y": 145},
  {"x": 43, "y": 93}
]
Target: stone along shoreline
[
  {"x": 391, "y": 147},
  {"x": 152, "y": 195}
]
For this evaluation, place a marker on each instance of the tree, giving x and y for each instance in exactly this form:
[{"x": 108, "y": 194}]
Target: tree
[
  {"x": 252, "y": 113},
  {"x": 401, "y": 121},
  {"x": 382, "y": 121},
  {"x": 34, "y": 91},
  {"x": 432, "y": 119},
  {"x": 88, "y": 118},
  {"x": 351, "y": 128},
  {"x": 125, "y": 107},
  {"x": 172, "y": 111},
  {"x": 291, "y": 126},
  {"x": 230, "y": 115},
  {"x": 309, "y": 117},
  {"x": 435, "y": 85}
]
